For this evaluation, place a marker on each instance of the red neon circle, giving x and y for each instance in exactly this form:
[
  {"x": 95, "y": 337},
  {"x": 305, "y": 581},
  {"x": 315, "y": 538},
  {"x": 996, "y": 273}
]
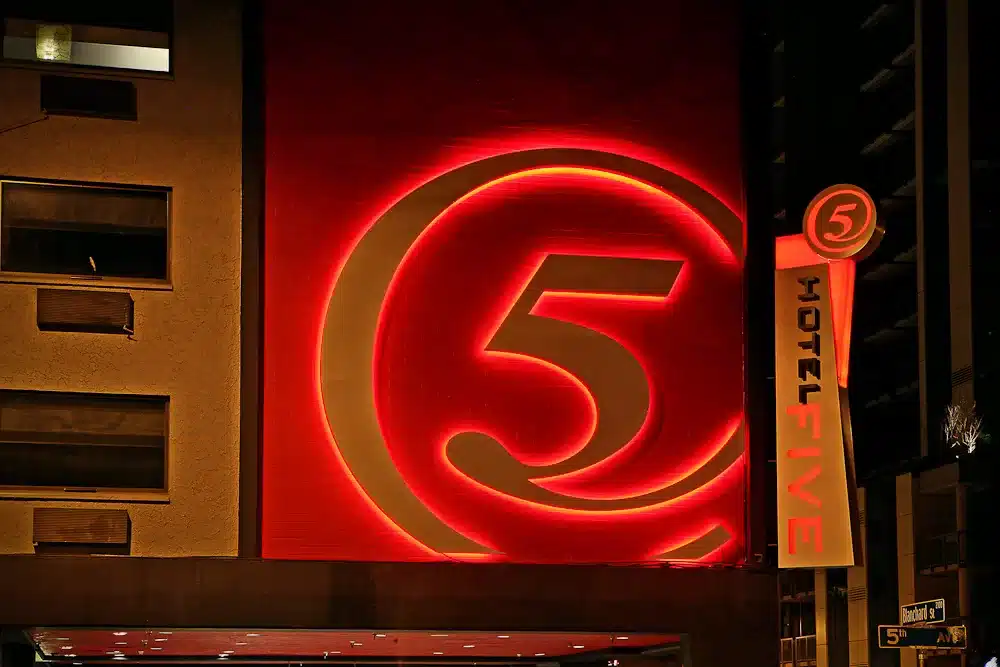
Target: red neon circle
[
  {"x": 516, "y": 528},
  {"x": 478, "y": 229},
  {"x": 855, "y": 215}
]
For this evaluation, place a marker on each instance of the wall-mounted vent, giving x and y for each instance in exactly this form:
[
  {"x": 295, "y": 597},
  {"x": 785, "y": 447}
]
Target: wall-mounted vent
[
  {"x": 92, "y": 98},
  {"x": 857, "y": 593},
  {"x": 60, "y": 529},
  {"x": 961, "y": 376},
  {"x": 862, "y": 516},
  {"x": 86, "y": 311}
]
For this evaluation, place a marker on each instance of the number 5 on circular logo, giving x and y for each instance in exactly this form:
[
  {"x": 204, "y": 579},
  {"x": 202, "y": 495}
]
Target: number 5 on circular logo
[
  {"x": 840, "y": 222},
  {"x": 608, "y": 372}
]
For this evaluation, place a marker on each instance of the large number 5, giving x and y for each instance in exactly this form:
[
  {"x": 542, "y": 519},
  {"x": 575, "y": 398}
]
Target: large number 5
[
  {"x": 613, "y": 376},
  {"x": 351, "y": 331},
  {"x": 840, "y": 217}
]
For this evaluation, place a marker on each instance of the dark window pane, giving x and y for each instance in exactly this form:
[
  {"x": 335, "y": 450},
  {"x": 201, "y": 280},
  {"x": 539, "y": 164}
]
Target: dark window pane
[
  {"x": 84, "y": 231},
  {"x": 64, "y": 440},
  {"x": 151, "y": 15}
]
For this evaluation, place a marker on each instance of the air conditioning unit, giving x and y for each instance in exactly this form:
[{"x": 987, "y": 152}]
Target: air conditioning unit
[
  {"x": 69, "y": 530},
  {"x": 87, "y": 311}
]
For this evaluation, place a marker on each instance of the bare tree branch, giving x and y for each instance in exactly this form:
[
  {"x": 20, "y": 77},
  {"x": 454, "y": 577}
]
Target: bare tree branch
[{"x": 962, "y": 427}]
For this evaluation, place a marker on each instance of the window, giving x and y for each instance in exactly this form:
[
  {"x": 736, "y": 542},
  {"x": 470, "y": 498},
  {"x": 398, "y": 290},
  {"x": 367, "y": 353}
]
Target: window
[
  {"x": 78, "y": 442},
  {"x": 85, "y": 232},
  {"x": 125, "y": 36}
]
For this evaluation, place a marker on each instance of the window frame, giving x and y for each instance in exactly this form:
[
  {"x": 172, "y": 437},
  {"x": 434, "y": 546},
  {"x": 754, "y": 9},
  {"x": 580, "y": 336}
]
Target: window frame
[
  {"x": 109, "y": 282},
  {"x": 57, "y": 67},
  {"x": 98, "y": 494}
]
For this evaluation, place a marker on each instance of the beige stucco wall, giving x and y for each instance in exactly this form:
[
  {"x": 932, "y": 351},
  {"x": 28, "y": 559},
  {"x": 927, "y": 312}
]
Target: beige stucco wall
[{"x": 187, "y": 338}]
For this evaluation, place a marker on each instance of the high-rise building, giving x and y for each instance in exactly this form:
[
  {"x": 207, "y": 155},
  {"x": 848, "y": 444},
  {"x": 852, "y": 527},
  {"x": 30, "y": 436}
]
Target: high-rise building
[{"x": 893, "y": 97}]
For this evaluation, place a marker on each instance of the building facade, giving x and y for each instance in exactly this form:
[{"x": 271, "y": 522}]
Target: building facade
[
  {"x": 126, "y": 319},
  {"x": 245, "y": 415}
]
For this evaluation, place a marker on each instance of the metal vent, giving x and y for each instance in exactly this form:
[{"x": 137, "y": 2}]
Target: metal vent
[
  {"x": 961, "y": 376},
  {"x": 862, "y": 516},
  {"x": 95, "y": 98},
  {"x": 857, "y": 593},
  {"x": 58, "y": 526},
  {"x": 86, "y": 311}
]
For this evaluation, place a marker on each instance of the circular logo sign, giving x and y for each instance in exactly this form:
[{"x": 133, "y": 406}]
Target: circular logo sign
[
  {"x": 538, "y": 355},
  {"x": 840, "y": 222}
]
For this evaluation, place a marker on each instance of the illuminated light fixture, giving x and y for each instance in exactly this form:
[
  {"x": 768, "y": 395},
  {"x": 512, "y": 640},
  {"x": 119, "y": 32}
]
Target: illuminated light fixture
[
  {"x": 65, "y": 648},
  {"x": 469, "y": 646},
  {"x": 54, "y": 43},
  {"x": 578, "y": 646},
  {"x": 539, "y": 655},
  {"x": 439, "y": 635},
  {"x": 380, "y": 636},
  {"x": 253, "y": 634},
  {"x": 62, "y": 639},
  {"x": 241, "y": 643},
  {"x": 77, "y": 663},
  {"x": 118, "y": 657},
  {"x": 119, "y": 634},
  {"x": 157, "y": 648},
  {"x": 503, "y": 636},
  {"x": 160, "y": 639},
  {"x": 163, "y": 632},
  {"x": 438, "y": 652},
  {"x": 118, "y": 644},
  {"x": 229, "y": 651},
  {"x": 622, "y": 639}
]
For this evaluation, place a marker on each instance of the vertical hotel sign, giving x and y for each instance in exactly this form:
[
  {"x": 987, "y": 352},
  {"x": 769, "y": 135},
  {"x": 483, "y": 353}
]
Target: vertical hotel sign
[{"x": 814, "y": 294}]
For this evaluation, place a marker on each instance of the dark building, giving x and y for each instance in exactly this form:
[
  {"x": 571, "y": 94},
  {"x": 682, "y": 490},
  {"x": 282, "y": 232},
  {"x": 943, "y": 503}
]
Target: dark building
[{"x": 892, "y": 96}]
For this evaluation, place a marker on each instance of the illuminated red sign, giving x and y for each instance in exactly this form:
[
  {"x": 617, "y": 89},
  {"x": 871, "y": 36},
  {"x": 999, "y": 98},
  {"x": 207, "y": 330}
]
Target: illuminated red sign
[
  {"x": 463, "y": 386},
  {"x": 814, "y": 296},
  {"x": 526, "y": 345}
]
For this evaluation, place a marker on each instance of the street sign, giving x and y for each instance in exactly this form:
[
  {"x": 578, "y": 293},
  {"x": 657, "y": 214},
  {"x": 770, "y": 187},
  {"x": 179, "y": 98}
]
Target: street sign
[
  {"x": 928, "y": 611},
  {"x": 898, "y": 636}
]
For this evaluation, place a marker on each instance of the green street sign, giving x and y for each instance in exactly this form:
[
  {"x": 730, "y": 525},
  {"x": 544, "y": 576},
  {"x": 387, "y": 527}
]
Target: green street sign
[
  {"x": 929, "y": 611},
  {"x": 898, "y": 636}
]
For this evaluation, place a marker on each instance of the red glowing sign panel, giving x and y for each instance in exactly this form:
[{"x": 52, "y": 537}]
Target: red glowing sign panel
[
  {"x": 814, "y": 297},
  {"x": 532, "y": 353}
]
